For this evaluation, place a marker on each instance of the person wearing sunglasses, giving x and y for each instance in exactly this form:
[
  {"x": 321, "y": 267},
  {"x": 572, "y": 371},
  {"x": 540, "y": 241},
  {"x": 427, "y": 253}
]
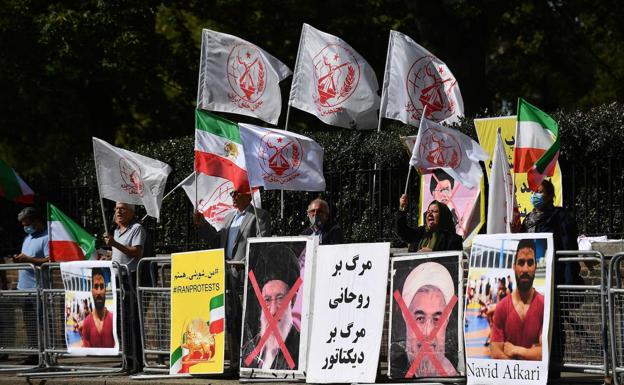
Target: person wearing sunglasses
[
  {"x": 517, "y": 327},
  {"x": 438, "y": 233}
]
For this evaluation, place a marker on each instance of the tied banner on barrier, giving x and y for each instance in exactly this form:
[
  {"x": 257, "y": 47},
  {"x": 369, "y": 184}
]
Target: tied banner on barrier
[
  {"x": 276, "y": 306},
  {"x": 507, "y": 316},
  {"x": 425, "y": 316},
  {"x": 197, "y": 312},
  {"x": 348, "y": 312},
  {"x": 90, "y": 308}
]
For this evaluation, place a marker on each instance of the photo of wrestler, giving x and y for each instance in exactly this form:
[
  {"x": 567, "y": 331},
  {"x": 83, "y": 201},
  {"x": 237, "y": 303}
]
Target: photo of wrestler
[
  {"x": 505, "y": 299},
  {"x": 426, "y": 308},
  {"x": 90, "y": 303},
  {"x": 271, "y": 337}
]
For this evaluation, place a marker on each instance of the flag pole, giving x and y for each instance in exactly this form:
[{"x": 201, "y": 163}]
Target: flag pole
[
  {"x": 285, "y": 129},
  {"x": 97, "y": 176},
  {"x": 409, "y": 172}
]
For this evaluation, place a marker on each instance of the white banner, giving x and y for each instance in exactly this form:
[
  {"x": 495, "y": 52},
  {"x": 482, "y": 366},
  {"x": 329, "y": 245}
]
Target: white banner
[
  {"x": 333, "y": 82},
  {"x": 90, "y": 308},
  {"x": 508, "y": 309},
  {"x": 239, "y": 77},
  {"x": 348, "y": 311},
  {"x": 415, "y": 78},
  {"x": 282, "y": 160},
  {"x": 128, "y": 177}
]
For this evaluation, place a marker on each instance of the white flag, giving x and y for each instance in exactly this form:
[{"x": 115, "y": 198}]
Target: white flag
[
  {"x": 239, "y": 77},
  {"x": 446, "y": 148},
  {"x": 282, "y": 160},
  {"x": 333, "y": 82},
  {"x": 501, "y": 198},
  {"x": 413, "y": 79},
  {"x": 128, "y": 177},
  {"x": 213, "y": 197}
]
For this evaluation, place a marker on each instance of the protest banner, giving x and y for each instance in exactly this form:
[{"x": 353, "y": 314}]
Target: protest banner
[
  {"x": 90, "y": 308},
  {"x": 426, "y": 337},
  {"x": 508, "y": 308},
  {"x": 486, "y": 132},
  {"x": 275, "y": 330},
  {"x": 348, "y": 311},
  {"x": 197, "y": 312}
]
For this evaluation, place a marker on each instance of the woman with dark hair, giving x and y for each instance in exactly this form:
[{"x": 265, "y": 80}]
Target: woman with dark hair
[{"x": 438, "y": 233}]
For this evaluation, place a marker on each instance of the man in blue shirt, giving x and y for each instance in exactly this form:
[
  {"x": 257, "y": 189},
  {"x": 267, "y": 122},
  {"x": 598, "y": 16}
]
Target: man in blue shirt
[{"x": 35, "y": 251}]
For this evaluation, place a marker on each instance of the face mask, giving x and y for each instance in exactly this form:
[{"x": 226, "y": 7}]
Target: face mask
[
  {"x": 537, "y": 200},
  {"x": 315, "y": 221},
  {"x": 30, "y": 229}
]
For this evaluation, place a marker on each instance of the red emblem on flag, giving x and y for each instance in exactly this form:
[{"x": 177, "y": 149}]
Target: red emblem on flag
[
  {"x": 440, "y": 149},
  {"x": 130, "y": 173},
  {"x": 217, "y": 203},
  {"x": 337, "y": 73},
  {"x": 429, "y": 83},
  {"x": 246, "y": 72},
  {"x": 280, "y": 158}
]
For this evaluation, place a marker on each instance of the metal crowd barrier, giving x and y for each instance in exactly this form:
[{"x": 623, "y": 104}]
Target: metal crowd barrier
[
  {"x": 154, "y": 306},
  {"x": 616, "y": 316},
  {"x": 58, "y": 362},
  {"x": 582, "y": 319},
  {"x": 20, "y": 333}
]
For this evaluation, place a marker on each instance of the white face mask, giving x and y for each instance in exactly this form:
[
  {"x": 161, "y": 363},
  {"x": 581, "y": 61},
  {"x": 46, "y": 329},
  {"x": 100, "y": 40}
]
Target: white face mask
[{"x": 315, "y": 221}]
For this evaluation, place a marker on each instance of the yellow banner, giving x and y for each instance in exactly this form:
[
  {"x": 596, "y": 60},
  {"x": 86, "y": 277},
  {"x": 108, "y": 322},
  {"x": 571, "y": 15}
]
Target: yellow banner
[
  {"x": 486, "y": 131},
  {"x": 197, "y": 312}
]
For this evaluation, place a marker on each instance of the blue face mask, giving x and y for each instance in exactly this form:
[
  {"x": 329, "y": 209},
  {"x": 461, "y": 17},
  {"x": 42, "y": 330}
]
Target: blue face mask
[
  {"x": 537, "y": 200},
  {"x": 30, "y": 229}
]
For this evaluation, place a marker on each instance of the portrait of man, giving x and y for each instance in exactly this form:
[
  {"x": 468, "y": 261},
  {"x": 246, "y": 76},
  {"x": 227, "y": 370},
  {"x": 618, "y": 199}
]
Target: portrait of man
[
  {"x": 517, "y": 326},
  {"x": 422, "y": 343},
  {"x": 441, "y": 189},
  {"x": 270, "y": 336},
  {"x": 97, "y": 327}
]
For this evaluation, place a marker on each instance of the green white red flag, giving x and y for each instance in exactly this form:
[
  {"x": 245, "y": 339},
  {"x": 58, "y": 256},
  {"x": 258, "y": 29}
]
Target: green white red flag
[
  {"x": 537, "y": 144},
  {"x": 68, "y": 241},
  {"x": 217, "y": 314},
  {"x": 13, "y": 187},
  {"x": 219, "y": 149}
]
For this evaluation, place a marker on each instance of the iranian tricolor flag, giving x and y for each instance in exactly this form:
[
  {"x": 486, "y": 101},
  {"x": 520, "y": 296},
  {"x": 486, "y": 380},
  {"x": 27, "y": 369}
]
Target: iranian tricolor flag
[
  {"x": 180, "y": 359},
  {"x": 68, "y": 241},
  {"x": 12, "y": 187},
  {"x": 219, "y": 150},
  {"x": 537, "y": 144}
]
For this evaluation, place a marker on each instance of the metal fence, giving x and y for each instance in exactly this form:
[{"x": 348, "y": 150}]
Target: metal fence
[{"x": 616, "y": 316}]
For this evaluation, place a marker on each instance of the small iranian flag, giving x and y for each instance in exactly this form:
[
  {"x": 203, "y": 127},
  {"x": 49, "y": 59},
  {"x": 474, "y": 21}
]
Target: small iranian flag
[
  {"x": 68, "y": 241},
  {"x": 219, "y": 150},
  {"x": 217, "y": 314},
  {"x": 12, "y": 187},
  {"x": 537, "y": 144}
]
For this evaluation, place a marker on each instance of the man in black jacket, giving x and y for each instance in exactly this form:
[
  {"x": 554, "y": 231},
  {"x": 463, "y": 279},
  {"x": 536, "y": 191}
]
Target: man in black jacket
[{"x": 320, "y": 224}]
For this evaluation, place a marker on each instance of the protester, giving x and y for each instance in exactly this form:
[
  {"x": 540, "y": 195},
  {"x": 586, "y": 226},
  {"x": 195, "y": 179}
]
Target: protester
[
  {"x": 277, "y": 271},
  {"x": 321, "y": 224},
  {"x": 97, "y": 327},
  {"x": 35, "y": 251},
  {"x": 438, "y": 233},
  {"x": 128, "y": 239},
  {"x": 517, "y": 327}
]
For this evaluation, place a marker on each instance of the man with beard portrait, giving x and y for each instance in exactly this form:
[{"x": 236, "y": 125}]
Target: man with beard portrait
[
  {"x": 276, "y": 271},
  {"x": 518, "y": 319},
  {"x": 97, "y": 327}
]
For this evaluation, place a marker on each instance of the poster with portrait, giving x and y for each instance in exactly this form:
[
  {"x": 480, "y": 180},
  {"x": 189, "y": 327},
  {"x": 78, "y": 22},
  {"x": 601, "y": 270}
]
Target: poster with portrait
[
  {"x": 276, "y": 307},
  {"x": 426, "y": 335},
  {"x": 486, "y": 131},
  {"x": 508, "y": 309},
  {"x": 350, "y": 284},
  {"x": 90, "y": 308},
  {"x": 197, "y": 343}
]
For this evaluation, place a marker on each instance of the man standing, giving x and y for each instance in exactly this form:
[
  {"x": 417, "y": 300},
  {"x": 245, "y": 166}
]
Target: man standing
[
  {"x": 518, "y": 319},
  {"x": 128, "y": 238},
  {"x": 97, "y": 327},
  {"x": 276, "y": 270},
  {"x": 35, "y": 251},
  {"x": 427, "y": 291},
  {"x": 329, "y": 233}
]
